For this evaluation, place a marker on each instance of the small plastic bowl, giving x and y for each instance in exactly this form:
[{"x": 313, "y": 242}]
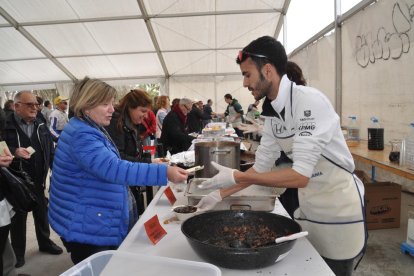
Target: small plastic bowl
[{"x": 184, "y": 212}]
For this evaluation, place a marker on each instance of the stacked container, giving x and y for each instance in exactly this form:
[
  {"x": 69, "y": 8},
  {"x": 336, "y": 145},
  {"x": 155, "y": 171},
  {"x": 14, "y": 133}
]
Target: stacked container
[
  {"x": 408, "y": 149},
  {"x": 375, "y": 135},
  {"x": 352, "y": 138}
]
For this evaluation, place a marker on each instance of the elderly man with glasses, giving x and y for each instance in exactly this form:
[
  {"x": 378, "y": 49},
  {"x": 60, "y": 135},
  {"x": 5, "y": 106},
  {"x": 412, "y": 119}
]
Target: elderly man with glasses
[
  {"x": 174, "y": 134},
  {"x": 58, "y": 118},
  {"x": 29, "y": 140}
]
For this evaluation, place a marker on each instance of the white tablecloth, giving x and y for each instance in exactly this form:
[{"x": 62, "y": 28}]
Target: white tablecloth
[{"x": 302, "y": 259}]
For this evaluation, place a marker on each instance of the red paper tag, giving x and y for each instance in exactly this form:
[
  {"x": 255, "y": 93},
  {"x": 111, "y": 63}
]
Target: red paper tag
[
  {"x": 154, "y": 229},
  {"x": 170, "y": 195},
  {"x": 152, "y": 149}
]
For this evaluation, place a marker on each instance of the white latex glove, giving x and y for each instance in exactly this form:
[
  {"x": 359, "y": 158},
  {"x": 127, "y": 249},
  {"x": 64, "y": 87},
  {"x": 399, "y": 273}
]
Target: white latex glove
[
  {"x": 223, "y": 179},
  {"x": 251, "y": 128},
  {"x": 209, "y": 201}
]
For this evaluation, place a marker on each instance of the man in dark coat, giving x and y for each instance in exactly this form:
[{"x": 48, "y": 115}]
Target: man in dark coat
[
  {"x": 174, "y": 134},
  {"x": 2, "y": 120},
  {"x": 23, "y": 133},
  {"x": 8, "y": 107},
  {"x": 208, "y": 112},
  {"x": 196, "y": 117}
]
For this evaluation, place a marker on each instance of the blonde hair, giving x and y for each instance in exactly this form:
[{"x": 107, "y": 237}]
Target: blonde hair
[
  {"x": 89, "y": 93},
  {"x": 162, "y": 102}
]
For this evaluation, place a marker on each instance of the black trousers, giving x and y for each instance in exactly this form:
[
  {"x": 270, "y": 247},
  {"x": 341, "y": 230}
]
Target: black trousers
[
  {"x": 139, "y": 198},
  {"x": 341, "y": 267},
  {"x": 81, "y": 251},
  {"x": 4, "y": 234},
  {"x": 290, "y": 200},
  {"x": 239, "y": 132},
  {"x": 41, "y": 222}
]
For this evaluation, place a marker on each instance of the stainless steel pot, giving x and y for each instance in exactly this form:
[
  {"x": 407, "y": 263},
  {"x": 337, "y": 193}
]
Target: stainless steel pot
[{"x": 223, "y": 152}]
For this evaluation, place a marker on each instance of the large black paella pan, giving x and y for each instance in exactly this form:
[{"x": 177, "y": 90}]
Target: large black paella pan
[{"x": 239, "y": 239}]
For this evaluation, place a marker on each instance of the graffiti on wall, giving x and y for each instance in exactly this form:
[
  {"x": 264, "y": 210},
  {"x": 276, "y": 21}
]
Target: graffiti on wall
[{"x": 385, "y": 44}]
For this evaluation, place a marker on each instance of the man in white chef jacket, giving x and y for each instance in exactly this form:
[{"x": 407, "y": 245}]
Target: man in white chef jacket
[{"x": 300, "y": 121}]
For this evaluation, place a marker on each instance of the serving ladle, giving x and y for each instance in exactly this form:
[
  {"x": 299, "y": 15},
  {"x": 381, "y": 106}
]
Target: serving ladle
[{"x": 241, "y": 244}]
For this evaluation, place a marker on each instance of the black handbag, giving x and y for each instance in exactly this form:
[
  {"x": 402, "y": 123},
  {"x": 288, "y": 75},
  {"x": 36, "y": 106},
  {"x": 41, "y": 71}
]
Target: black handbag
[{"x": 19, "y": 189}]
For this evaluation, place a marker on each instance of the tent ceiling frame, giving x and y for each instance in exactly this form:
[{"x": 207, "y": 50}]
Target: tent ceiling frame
[
  {"x": 144, "y": 17},
  {"x": 129, "y": 78},
  {"x": 207, "y": 75},
  {"x": 19, "y": 26},
  {"x": 153, "y": 37},
  {"x": 36, "y": 43},
  {"x": 124, "y": 53},
  {"x": 281, "y": 18}
]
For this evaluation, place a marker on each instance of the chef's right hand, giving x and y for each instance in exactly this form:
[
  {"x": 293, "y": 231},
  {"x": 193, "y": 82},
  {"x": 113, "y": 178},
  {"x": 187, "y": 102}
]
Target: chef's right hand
[
  {"x": 248, "y": 128},
  {"x": 223, "y": 179},
  {"x": 209, "y": 201},
  {"x": 176, "y": 174},
  {"x": 251, "y": 128}
]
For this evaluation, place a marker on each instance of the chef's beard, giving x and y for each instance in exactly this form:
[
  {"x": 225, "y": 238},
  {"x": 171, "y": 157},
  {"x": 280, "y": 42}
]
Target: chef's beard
[{"x": 263, "y": 88}]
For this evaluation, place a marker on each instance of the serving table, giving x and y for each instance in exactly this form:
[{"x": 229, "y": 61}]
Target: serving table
[
  {"x": 303, "y": 259},
  {"x": 379, "y": 159}
]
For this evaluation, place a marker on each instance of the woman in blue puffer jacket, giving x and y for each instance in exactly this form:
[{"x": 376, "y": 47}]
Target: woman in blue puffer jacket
[{"x": 90, "y": 205}]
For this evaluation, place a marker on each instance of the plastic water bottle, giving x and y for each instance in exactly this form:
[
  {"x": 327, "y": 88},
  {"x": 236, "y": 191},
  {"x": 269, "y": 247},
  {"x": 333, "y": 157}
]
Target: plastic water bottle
[
  {"x": 375, "y": 135},
  {"x": 353, "y": 132},
  {"x": 410, "y": 229},
  {"x": 408, "y": 147}
]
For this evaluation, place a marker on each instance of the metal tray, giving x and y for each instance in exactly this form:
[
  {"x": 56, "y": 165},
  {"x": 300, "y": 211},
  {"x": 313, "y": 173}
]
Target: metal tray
[{"x": 256, "y": 198}]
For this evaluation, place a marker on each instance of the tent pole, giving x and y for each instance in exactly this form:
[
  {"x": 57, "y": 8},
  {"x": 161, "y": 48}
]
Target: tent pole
[{"x": 338, "y": 59}]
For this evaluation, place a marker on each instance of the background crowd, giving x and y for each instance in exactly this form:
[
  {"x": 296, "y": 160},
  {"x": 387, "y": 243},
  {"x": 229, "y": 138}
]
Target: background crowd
[{"x": 45, "y": 142}]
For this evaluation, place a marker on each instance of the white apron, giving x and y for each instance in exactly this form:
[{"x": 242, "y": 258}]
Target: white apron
[
  {"x": 330, "y": 206},
  {"x": 232, "y": 114},
  {"x": 331, "y": 210}
]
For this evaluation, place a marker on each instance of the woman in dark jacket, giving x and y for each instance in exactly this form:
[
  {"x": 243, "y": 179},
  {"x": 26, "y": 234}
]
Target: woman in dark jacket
[
  {"x": 129, "y": 113},
  {"x": 196, "y": 117},
  {"x": 174, "y": 134},
  {"x": 123, "y": 130}
]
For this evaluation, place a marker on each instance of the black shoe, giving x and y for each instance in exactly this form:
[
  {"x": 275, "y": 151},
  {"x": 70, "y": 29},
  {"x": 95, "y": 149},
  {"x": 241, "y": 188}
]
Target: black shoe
[
  {"x": 52, "y": 249},
  {"x": 19, "y": 262}
]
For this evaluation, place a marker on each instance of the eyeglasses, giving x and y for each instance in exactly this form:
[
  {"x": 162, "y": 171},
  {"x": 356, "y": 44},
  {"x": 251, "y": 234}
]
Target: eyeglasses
[
  {"x": 187, "y": 108},
  {"x": 243, "y": 55},
  {"x": 31, "y": 105}
]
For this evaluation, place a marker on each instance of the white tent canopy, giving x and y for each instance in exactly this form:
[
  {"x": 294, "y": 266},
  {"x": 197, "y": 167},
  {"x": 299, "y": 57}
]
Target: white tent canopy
[
  {"x": 188, "y": 46},
  {"x": 49, "y": 41}
]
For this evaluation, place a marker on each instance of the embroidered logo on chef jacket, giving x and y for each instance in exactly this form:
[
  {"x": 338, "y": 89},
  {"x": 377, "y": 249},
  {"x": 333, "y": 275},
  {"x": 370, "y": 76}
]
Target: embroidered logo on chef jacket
[
  {"x": 305, "y": 133},
  {"x": 307, "y": 126},
  {"x": 278, "y": 128},
  {"x": 307, "y": 119},
  {"x": 307, "y": 113},
  {"x": 316, "y": 174}
]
